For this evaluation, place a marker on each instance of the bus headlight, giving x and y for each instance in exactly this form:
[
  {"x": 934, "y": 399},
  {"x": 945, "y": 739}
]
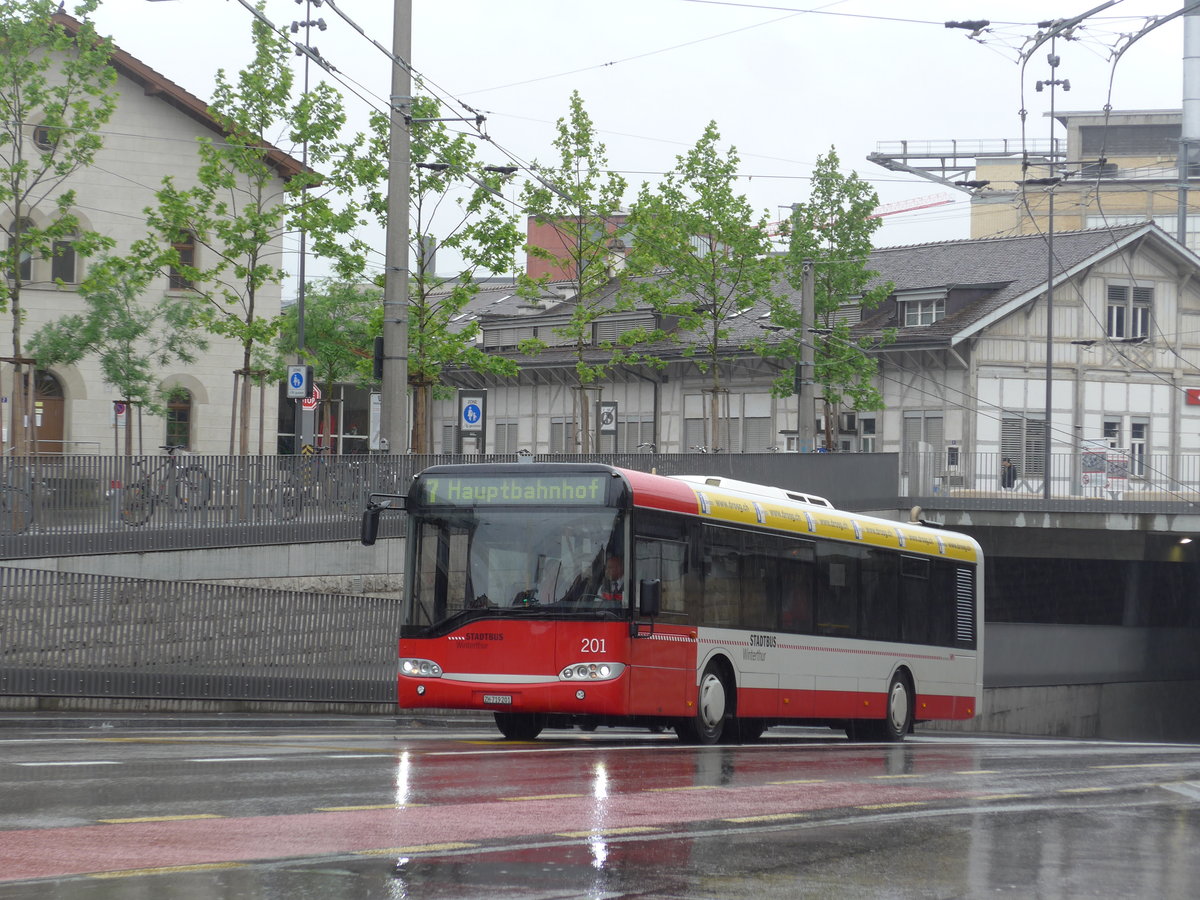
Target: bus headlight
[
  {"x": 420, "y": 668},
  {"x": 594, "y": 671}
]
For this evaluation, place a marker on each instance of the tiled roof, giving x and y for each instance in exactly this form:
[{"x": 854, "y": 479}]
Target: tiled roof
[
  {"x": 1012, "y": 266},
  {"x": 1001, "y": 271}
]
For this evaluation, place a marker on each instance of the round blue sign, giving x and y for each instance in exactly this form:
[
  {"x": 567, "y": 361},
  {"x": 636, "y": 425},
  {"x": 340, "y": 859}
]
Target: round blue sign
[
  {"x": 472, "y": 414},
  {"x": 297, "y": 379}
]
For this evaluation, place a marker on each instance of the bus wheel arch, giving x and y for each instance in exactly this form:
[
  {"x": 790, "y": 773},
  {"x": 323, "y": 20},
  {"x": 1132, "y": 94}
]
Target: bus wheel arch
[
  {"x": 899, "y": 708},
  {"x": 716, "y": 704}
]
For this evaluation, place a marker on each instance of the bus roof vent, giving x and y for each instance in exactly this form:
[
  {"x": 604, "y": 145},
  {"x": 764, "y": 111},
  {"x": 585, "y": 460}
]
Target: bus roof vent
[{"x": 811, "y": 499}]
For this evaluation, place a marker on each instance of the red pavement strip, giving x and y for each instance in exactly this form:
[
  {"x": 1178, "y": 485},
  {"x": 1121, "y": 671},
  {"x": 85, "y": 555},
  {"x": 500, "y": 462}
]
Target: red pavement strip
[{"x": 95, "y": 849}]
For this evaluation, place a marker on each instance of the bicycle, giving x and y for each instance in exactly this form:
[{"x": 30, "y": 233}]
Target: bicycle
[
  {"x": 190, "y": 486},
  {"x": 320, "y": 480}
]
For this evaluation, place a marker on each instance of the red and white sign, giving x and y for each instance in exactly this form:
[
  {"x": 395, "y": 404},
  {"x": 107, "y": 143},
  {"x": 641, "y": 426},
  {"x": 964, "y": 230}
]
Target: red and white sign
[
  {"x": 311, "y": 402},
  {"x": 1193, "y": 396}
]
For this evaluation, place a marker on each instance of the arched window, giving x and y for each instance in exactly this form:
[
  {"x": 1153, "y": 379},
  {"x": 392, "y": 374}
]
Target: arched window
[
  {"x": 179, "y": 418},
  {"x": 25, "y": 264},
  {"x": 64, "y": 266},
  {"x": 185, "y": 246},
  {"x": 44, "y": 138}
]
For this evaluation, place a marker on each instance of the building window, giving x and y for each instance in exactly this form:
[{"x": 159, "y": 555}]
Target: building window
[
  {"x": 1139, "y": 433},
  {"x": 866, "y": 435},
  {"x": 504, "y": 438},
  {"x": 1023, "y": 442},
  {"x": 179, "y": 418},
  {"x": 63, "y": 267},
  {"x": 185, "y": 247},
  {"x": 923, "y": 312},
  {"x": 562, "y": 436},
  {"x": 1112, "y": 433},
  {"x": 1128, "y": 311},
  {"x": 43, "y": 138},
  {"x": 923, "y": 442}
]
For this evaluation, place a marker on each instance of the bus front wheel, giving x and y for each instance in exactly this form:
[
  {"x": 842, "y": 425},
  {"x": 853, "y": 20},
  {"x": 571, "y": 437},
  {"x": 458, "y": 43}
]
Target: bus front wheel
[
  {"x": 712, "y": 709},
  {"x": 520, "y": 726}
]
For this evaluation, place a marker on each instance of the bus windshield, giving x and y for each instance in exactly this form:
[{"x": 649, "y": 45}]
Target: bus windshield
[{"x": 498, "y": 561}]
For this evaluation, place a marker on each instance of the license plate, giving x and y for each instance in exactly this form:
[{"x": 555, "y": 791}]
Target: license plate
[{"x": 501, "y": 699}]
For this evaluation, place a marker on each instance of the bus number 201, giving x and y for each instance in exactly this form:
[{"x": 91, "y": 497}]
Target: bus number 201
[{"x": 592, "y": 645}]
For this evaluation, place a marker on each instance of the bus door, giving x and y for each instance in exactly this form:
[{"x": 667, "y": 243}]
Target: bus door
[{"x": 662, "y": 655}]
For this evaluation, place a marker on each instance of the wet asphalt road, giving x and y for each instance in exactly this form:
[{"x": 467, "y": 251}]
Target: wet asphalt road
[{"x": 366, "y": 808}]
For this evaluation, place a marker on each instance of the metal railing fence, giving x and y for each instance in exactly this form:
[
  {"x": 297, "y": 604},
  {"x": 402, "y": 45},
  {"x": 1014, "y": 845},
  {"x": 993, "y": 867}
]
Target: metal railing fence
[
  {"x": 80, "y": 505},
  {"x": 65, "y": 634},
  {"x": 1085, "y": 481}
]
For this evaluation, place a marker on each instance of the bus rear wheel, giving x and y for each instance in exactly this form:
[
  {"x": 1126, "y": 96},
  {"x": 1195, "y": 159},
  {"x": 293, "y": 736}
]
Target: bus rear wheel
[
  {"x": 520, "y": 726},
  {"x": 712, "y": 710},
  {"x": 898, "y": 718}
]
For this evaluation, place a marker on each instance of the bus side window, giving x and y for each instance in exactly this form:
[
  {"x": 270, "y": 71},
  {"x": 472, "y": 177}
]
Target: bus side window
[
  {"x": 879, "y": 601},
  {"x": 796, "y": 593},
  {"x": 666, "y": 561},
  {"x": 722, "y": 571},
  {"x": 757, "y": 611},
  {"x": 837, "y": 590},
  {"x": 914, "y": 600}
]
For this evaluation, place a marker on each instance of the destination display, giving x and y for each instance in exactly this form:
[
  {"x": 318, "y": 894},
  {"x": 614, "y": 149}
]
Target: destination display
[{"x": 513, "y": 490}]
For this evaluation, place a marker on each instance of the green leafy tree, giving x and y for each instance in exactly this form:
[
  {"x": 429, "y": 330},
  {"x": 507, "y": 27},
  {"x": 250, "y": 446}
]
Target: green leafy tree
[
  {"x": 456, "y": 207},
  {"x": 239, "y": 209},
  {"x": 132, "y": 340},
  {"x": 834, "y": 230},
  {"x": 55, "y": 95},
  {"x": 709, "y": 255},
  {"x": 339, "y": 319},
  {"x": 579, "y": 198}
]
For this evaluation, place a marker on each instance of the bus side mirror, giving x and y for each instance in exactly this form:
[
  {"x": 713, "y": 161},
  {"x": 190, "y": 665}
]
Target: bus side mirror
[
  {"x": 649, "y": 597},
  {"x": 377, "y": 503},
  {"x": 370, "y": 524}
]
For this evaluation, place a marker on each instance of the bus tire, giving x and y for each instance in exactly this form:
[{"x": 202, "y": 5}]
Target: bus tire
[
  {"x": 899, "y": 719},
  {"x": 712, "y": 709},
  {"x": 898, "y": 715},
  {"x": 520, "y": 726}
]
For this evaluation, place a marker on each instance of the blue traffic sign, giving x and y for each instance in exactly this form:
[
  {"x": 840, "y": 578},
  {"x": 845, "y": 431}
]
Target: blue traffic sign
[
  {"x": 297, "y": 380},
  {"x": 472, "y": 414}
]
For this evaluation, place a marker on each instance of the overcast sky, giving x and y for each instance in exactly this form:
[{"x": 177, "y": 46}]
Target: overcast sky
[{"x": 783, "y": 80}]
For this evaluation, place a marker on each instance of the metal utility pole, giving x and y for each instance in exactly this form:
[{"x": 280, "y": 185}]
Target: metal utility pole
[
  {"x": 394, "y": 408},
  {"x": 806, "y": 368},
  {"x": 1050, "y": 181},
  {"x": 1191, "y": 115}
]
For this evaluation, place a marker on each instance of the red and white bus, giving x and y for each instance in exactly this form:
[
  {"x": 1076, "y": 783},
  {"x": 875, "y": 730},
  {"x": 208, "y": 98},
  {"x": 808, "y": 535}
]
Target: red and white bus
[{"x": 560, "y": 593}]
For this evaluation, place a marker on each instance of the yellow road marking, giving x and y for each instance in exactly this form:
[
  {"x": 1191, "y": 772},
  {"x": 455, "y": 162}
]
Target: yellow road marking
[
  {"x": 1002, "y": 796},
  {"x": 892, "y": 805},
  {"x": 167, "y": 870},
  {"x": 690, "y": 787},
  {"x": 800, "y": 781},
  {"x": 1138, "y": 766},
  {"x": 1085, "y": 790},
  {"x": 777, "y": 817},
  {"x": 542, "y": 797},
  {"x": 421, "y": 848},
  {"x": 607, "y": 832},
  {"x": 160, "y": 819}
]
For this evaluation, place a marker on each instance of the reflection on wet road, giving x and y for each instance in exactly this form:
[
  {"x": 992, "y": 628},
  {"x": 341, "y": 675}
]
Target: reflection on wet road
[{"x": 366, "y": 809}]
